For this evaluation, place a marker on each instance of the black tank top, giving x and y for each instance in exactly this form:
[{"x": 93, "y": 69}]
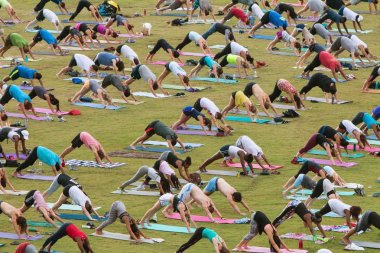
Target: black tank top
[{"x": 261, "y": 220}]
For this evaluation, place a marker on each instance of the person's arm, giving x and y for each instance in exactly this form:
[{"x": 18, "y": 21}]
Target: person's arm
[
  {"x": 183, "y": 218},
  {"x": 47, "y": 97},
  {"x": 375, "y": 131},
  {"x": 345, "y": 28},
  {"x": 130, "y": 232},
  {"x": 273, "y": 243},
  {"x": 80, "y": 245},
  {"x": 348, "y": 218},
  {"x": 335, "y": 75},
  {"x": 87, "y": 214},
  {"x": 259, "y": 162},
  {"x": 320, "y": 228},
  {"x": 97, "y": 157},
  {"x": 200, "y": 118},
  {"x": 247, "y": 108},
  {"x": 234, "y": 206},
  {"x": 215, "y": 72},
  {"x": 96, "y": 213},
  {"x": 329, "y": 153},
  {"x": 15, "y": 225},
  {"x": 215, "y": 244},
  {"x": 114, "y": 66},
  {"x": 238, "y": 65},
  {"x": 9, "y": 182},
  {"x": 23, "y": 110}
]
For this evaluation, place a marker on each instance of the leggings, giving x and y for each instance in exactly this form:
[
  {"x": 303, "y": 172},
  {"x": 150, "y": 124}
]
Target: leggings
[
  {"x": 358, "y": 118},
  {"x": 228, "y": 16},
  {"x": 40, "y": 5},
  {"x": 224, "y": 62},
  {"x": 193, "y": 240},
  {"x": 275, "y": 93},
  {"x": 324, "y": 210},
  {"x": 29, "y": 161},
  {"x": 81, "y": 5},
  {"x": 159, "y": 45},
  {"x": 64, "y": 33},
  {"x": 311, "y": 143},
  {"x": 117, "y": 207},
  {"x": 374, "y": 219},
  {"x": 315, "y": 63},
  {"x": 323, "y": 17},
  {"x": 225, "y": 51},
  {"x": 61, "y": 232},
  {"x": 287, "y": 213},
  {"x": 185, "y": 42},
  {"x": 143, "y": 170},
  {"x": 309, "y": 86},
  {"x": 6, "y": 97}
]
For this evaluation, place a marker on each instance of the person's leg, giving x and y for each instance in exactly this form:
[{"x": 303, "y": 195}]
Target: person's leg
[
  {"x": 209, "y": 31},
  {"x": 185, "y": 41},
  {"x": 358, "y": 119},
  {"x": 284, "y": 215},
  {"x": 61, "y": 232},
  {"x": 143, "y": 170},
  {"x": 40, "y": 5},
  {"x": 31, "y": 23},
  {"x": 228, "y": 107},
  {"x": 157, "y": 206},
  {"x": 213, "y": 158},
  {"x": 155, "y": 48},
  {"x": 227, "y": 17},
  {"x": 311, "y": 143},
  {"x": 52, "y": 188},
  {"x": 140, "y": 139},
  {"x": 226, "y": 50},
  {"x": 6, "y": 96},
  {"x": 307, "y": 88},
  {"x": 193, "y": 240},
  {"x": 224, "y": 62},
  {"x": 80, "y": 7},
  {"x": 163, "y": 75},
  {"x": 112, "y": 217},
  {"x": 323, "y": 18},
  {"x": 182, "y": 120},
  {"x": 275, "y": 93},
  {"x": 62, "y": 199},
  {"x": 315, "y": 63},
  {"x": 324, "y": 210},
  {"x": 30, "y": 160}
]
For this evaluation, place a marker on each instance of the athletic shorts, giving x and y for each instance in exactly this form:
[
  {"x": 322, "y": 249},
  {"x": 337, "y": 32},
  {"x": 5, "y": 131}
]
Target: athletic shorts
[
  {"x": 265, "y": 18},
  {"x": 165, "y": 199},
  {"x": 15, "y": 74},
  {"x": 184, "y": 195},
  {"x": 301, "y": 210},
  {"x": 212, "y": 185},
  {"x": 29, "y": 199},
  {"x": 167, "y": 66},
  {"x": 37, "y": 38},
  {"x": 149, "y": 130},
  {"x": 118, "y": 49},
  {"x": 40, "y": 16},
  {"x": 72, "y": 62},
  {"x": 224, "y": 150},
  {"x": 76, "y": 142},
  {"x": 66, "y": 190},
  {"x": 197, "y": 105}
]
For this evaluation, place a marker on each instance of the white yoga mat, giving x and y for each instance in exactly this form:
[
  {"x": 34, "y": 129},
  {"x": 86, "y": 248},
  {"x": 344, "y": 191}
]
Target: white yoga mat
[
  {"x": 124, "y": 237},
  {"x": 138, "y": 193}
]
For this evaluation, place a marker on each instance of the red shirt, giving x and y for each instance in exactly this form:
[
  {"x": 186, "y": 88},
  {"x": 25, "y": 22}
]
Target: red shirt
[
  {"x": 329, "y": 61},
  {"x": 21, "y": 248},
  {"x": 240, "y": 14},
  {"x": 73, "y": 232}
]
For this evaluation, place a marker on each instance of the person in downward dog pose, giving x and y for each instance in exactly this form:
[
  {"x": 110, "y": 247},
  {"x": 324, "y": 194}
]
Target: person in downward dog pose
[
  {"x": 197, "y": 39},
  {"x": 367, "y": 122},
  {"x": 325, "y": 186},
  {"x": 347, "y": 127},
  {"x": 302, "y": 182},
  {"x": 254, "y": 89},
  {"x": 189, "y": 112},
  {"x": 283, "y": 85},
  {"x": 213, "y": 66},
  {"x": 176, "y": 70},
  {"x": 97, "y": 92},
  {"x": 45, "y": 14},
  {"x": 325, "y": 83},
  {"x": 15, "y": 216},
  {"x": 238, "y": 98},
  {"x": 90, "y": 7},
  {"x": 60, "y": 180},
  {"x": 161, "y": 43},
  {"x": 44, "y": 94}
]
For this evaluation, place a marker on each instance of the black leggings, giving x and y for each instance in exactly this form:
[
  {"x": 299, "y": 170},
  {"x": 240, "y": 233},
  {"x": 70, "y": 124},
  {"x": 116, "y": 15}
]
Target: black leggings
[
  {"x": 193, "y": 240},
  {"x": 324, "y": 210},
  {"x": 185, "y": 42},
  {"x": 82, "y": 4},
  {"x": 224, "y": 62},
  {"x": 225, "y": 51},
  {"x": 323, "y": 17},
  {"x": 64, "y": 33},
  {"x": 30, "y": 160},
  {"x": 275, "y": 93},
  {"x": 61, "y": 232},
  {"x": 308, "y": 87},
  {"x": 315, "y": 63},
  {"x": 6, "y": 97},
  {"x": 358, "y": 118},
  {"x": 159, "y": 45},
  {"x": 40, "y": 5},
  {"x": 374, "y": 220}
]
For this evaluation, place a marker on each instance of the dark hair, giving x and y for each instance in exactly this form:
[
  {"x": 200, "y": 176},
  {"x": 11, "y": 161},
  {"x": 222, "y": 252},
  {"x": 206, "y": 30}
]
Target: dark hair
[
  {"x": 101, "y": 154},
  {"x": 62, "y": 4},
  {"x": 135, "y": 229},
  {"x": 186, "y": 79},
  {"x": 248, "y": 158},
  {"x": 28, "y": 105},
  {"x": 114, "y": 35},
  {"x": 94, "y": 36},
  {"x": 164, "y": 183},
  {"x": 247, "y": 22},
  {"x": 120, "y": 65},
  {"x": 211, "y": 208},
  {"x": 363, "y": 139},
  {"x": 297, "y": 45},
  {"x": 26, "y": 49},
  {"x": 3, "y": 182},
  {"x": 187, "y": 161},
  {"x": 224, "y": 250},
  {"x": 249, "y": 58},
  {"x": 175, "y": 181},
  {"x": 136, "y": 61},
  {"x": 236, "y": 196},
  {"x": 266, "y": 3},
  {"x": 219, "y": 70},
  {"x": 277, "y": 241},
  {"x": 155, "y": 85},
  {"x": 127, "y": 92},
  {"x": 175, "y": 54},
  {"x": 343, "y": 19},
  {"x": 88, "y": 207},
  {"x": 297, "y": 99},
  {"x": 218, "y": 115},
  {"x": 173, "y": 141},
  {"x": 95, "y": 68},
  {"x": 21, "y": 221},
  {"x": 344, "y": 142},
  {"x": 4, "y": 117},
  {"x": 333, "y": 89},
  {"x": 231, "y": 37},
  {"x": 208, "y": 123},
  {"x": 37, "y": 76},
  {"x": 355, "y": 212},
  {"x": 207, "y": 12},
  {"x": 195, "y": 178},
  {"x": 54, "y": 101}
]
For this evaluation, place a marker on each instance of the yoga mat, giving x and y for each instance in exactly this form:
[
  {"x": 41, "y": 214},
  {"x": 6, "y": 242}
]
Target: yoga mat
[
  {"x": 244, "y": 112},
  {"x": 180, "y": 87},
  {"x": 98, "y": 106},
  {"x": 50, "y": 53},
  {"x": 195, "y": 54},
  {"x": 213, "y": 80},
  {"x": 12, "y": 236},
  {"x": 126, "y": 35},
  {"x": 22, "y": 156},
  {"x": 353, "y": 30},
  {"x": 323, "y": 152},
  {"x": 341, "y": 193},
  {"x": 220, "y": 173},
  {"x": 371, "y": 245},
  {"x": 164, "y": 143},
  {"x": 328, "y": 162},
  {"x": 65, "y": 21},
  {"x": 5, "y": 66},
  {"x": 73, "y": 48},
  {"x": 17, "y": 193},
  {"x": 36, "y": 177},
  {"x": 199, "y": 218},
  {"x": 170, "y": 14},
  {"x": 163, "y": 63},
  {"x": 22, "y": 116},
  {"x": 167, "y": 228},
  {"x": 199, "y": 22},
  {"x": 356, "y": 60},
  {"x": 261, "y": 37},
  {"x": 217, "y": 47},
  {"x": 285, "y": 107},
  {"x": 302, "y": 198},
  {"x": 349, "y": 186},
  {"x": 246, "y": 119},
  {"x": 195, "y": 132},
  {"x": 323, "y": 100},
  {"x": 335, "y": 228},
  {"x": 48, "y": 111},
  {"x": 18, "y": 59},
  {"x": 282, "y": 53},
  {"x": 69, "y": 207},
  {"x": 61, "y": 13},
  {"x": 124, "y": 237},
  {"x": 156, "y": 150},
  {"x": 131, "y": 154},
  {"x": 309, "y": 19},
  {"x": 82, "y": 78},
  {"x": 195, "y": 127},
  {"x": 72, "y": 216},
  {"x": 122, "y": 101},
  {"x": 39, "y": 224},
  {"x": 368, "y": 149},
  {"x": 150, "y": 95},
  {"x": 36, "y": 31},
  {"x": 372, "y": 142},
  {"x": 372, "y": 137},
  {"x": 308, "y": 78},
  {"x": 255, "y": 166},
  {"x": 267, "y": 250},
  {"x": 303, "y": 237},
  {"x": 93, "y": 164},
  {"x": 137, "y": 193}
]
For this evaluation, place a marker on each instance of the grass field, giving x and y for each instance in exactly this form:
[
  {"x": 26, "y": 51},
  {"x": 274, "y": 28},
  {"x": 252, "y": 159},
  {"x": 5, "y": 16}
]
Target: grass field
[{"x": 117, "y": 129}]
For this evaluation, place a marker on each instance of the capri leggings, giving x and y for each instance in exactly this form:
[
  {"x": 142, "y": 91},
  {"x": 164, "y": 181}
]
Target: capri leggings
[
  {"x": 228, "y": 16},
  {"x": 29, "y": 161},
  {"x": 196, "y": 237},
  {"x": 117, "y": 207},
  {"x": 61, "y": 232},
  {"x": 161, "y": 43},
  {"x": 6, "y": 97},
  {"x": 275, "y": 93},
  {"x": 310, "y": 144},
  {"x": 64, "y": 33},
  {"x": 142, "y": 171},
  {"x": 308, "y": 87},
  {"x": 225, "y": 51},
  {"x": 82, "y": 4},
  {"x": 319, "y": 188},
  {"x": 315, "y": 63},
  {"x": 185, "y": 42}
]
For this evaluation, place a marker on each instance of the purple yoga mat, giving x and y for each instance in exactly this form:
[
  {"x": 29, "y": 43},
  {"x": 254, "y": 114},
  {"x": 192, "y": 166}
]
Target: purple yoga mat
[
  {"x": 22, "y": 156},
  {"x": 36, "y": 177},
  {"x": 328, "y": 162},
  {"x": 15, "y": 237},
  {"x": 195, "y": 54},
  {"x": 22, "y": 116},
  {"x": 48, "y": 111},
  {"x": 24, "y": 87},
  {"x": 255, "y": 166},
  {"x": 162, "y": 63},
  {"x": 310, "y": 19},
  {"x": 194, "y": 132}
]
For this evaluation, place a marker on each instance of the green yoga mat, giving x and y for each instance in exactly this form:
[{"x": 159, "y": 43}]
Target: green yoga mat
[
  {"x": 341, "y": 193},
  {"x": 180, "y": 87},
  {"x": 246, "y": 119},
  {"x": 323, "y": 152}
]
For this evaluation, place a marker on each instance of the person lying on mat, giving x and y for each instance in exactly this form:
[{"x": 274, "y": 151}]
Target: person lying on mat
[
  {"x": 342, "y": 209},
  {"x": 315, "y": 47},
  {"x": 374, "y": 74},
  {"x": 219, "y": 244},
  {"x": 44, "y": 94},
  {"x": 260, "y": 223},
  {"x": 128, "y": 53},
  {"x": 74, "y": 233},
  {"x": 15, "y": 216},
  {"x": 61, "y": 5},
  {"x": 91, "y": 143},
  {"x": 10, "y": 10},
  {"x": 228, "y": 153},
  {"x": 41, "y": 16},
  {"x": 192, "y": 192},
  {"x": 342, "y": 43},
  {"x": 174, "y": 68},
  {"x": 83, "y": 62},
  {"x": 45, "y": 155},
  {"x": 324, "y": 82},
  {"x": 315, "y": 6},
  {"x": 347, "y": 127},
  {"x": 205, "y": 9},
  {"x": 60, "y": 180},
  {"x": 232, "y": 196},
  {"x": 69, "y": 34},
  {"x": 367, "y": 122},
  {"x": 105, "y": 32},
  {"x": 189, "y": 112},
  {"x": 79, "y": 198},
  {"x": 197, "y": 39},
  {"x": 239, "y": 14},
  {"x": 90, "y": 7},
  {"x": 4, "y": 181},
  {"x": 24, "y": 72},
  {"x": 24, "y": 101},
  {"x": 175, "y": 204},
  {"x": 254, "y": 89},
  {"x": 120, "y": 21},
  {"x": 290, "y": 42},
  {"x": 16, "y": 136},
  {"x": 235, "y": 49},
  {"x": 161, "y": 43},
  {"x": 307, "y": 38},
  {"x": 325, "y": 186},
  {"x": 222, "y": 29},
  {"x": 120, "y": 85},
  {"x": 238, "y": 99},
  {"x": 368, "y": 219},
  {"x": 283, "y": 85},
  {"x": 48, "y": 38},
  {"x": 335, "y": 18},
  {"x": 15, "y": 39},
  {"x": 289, "y": 10},
  {"x": 238, "y": 61},
  {"x": 270, "y": 17},
  {"x": 363, "y": 48},
  {"x": 214, "y": 67},
  {"x": 118, "y": 210},
  {"x": 88, "y": 33},
  {"x": 142, "y": 71},
  {"x": 334, "y": 135},
  {"x": 34, "y": 197},
  {"x": 109, "y": 60},
  {"x": 322, "y": 32},
  {"x": 182, "y": 165},
  {"x": 302, "y": 182},
  {"x": 96, "y": 91}
]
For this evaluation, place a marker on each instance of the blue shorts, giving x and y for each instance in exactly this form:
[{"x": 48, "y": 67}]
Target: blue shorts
[{"x": 212, "y": 185}]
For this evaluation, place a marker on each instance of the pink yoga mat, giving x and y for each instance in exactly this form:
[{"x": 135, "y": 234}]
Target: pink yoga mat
[
  {"x": 36, "y": 177},
  {"x": 22, "y": 156},
  {"x": 267, "y": 250},
  {"x": 195, "y": 54},
  {"x": 255, "y": 166},
  {"x": 198, "y": 218},
  {"x": 22, "y": 116},
  {"x": 48, "y": 111},
  {"x": 162, "y": 63},
  {"x": 368, "y": 149},
  {"x": 15, "y": 236},
  {"x": 194, "y": 132},
  {"x": 328, "y": 162},
  {"x": 126, "y": 35}
]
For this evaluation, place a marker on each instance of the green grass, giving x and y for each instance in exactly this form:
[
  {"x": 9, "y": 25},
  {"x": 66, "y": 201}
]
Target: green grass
[{"x": 117, "y": 129}]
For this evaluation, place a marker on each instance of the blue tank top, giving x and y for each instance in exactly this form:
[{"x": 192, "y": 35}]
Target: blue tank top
[
  {"x": 18, "y": 94},
  {"x": 369, "y": 121},
  {"x": 25, "y": 72},
  {"x": 47, "y": 156}
]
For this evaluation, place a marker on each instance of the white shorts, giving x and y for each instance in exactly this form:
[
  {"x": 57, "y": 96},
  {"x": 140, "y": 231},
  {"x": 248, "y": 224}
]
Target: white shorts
[
  {"x": 165, "y": 199},
  {"x": 184, "y": 194}
]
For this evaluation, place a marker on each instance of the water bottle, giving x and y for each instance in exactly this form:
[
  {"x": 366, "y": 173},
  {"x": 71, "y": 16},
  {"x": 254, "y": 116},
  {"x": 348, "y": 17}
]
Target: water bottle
[
  {"x": 300, "y": 244},
  {"x": 254, "y": 73},
  {"x": 26, "y": 58}
]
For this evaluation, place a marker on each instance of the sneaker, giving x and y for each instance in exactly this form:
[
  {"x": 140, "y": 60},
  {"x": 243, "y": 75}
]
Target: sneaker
[
  {"x": 294, "y": 160},
  {"x": 353, "y": 246}
]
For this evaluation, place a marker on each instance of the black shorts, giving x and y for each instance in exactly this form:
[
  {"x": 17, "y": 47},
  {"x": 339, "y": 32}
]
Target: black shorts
[
  {"x": 224, "y": 150},
  {"x": 197, "y": 105},
  {"x": 118, "y": 49},
  {"x": 358, "y": 118},
  {"x": 6, "y": 97},
  {"x": 37, "y": 38},
  {"x": 29, "y": 200},
  {"x": 15, "y": 74},
  {"x": 76, "y": 142},
  {"x": 149, "y": 130},
  {"x": 375, "y": 73},
  {"x": 83, "y": 28},
  {"x": 72, "y": 62},
  {"x": 40, "y": 16},
  {"x": 66, "y": 190},
  {"x": 233, "y": 94},
  {"x": 265, "y": 18},
  {"x": 318, "y": 190},
  {"x": 167, "y": 66}
]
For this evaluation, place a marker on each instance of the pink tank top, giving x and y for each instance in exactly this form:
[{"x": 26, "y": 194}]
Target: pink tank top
[
  {"x": 88, "y": 140},
  {"x": 165, "y": 168},
  {"x": 77, "y": 26}
]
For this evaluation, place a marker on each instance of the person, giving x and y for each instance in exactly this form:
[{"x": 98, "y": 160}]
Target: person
[
  {"x": 315, "y": 47},
  {"x": 16, "y": 136},
  {"x": 368, "y": 219},
  {"x": 24, "y": 72},
  {"x": 192, "y": 192},
  {"x": 166, "y": 200},
  {"x": 4, "y": 122},
  {"x": 15, "y": 39},
  {"x": 10, "y": 10},
  {"x": 97, "y": 91},
  {"x": 235, "y": 49},
  {"x": 108, "y": 60},
  {"x": 219, "y": 244},
  {"x": 374, "y": 3},
  {"x": 342, "y": 209},
  {"x": 24, "y": 101},
  {"x": 45, "y": 155},
  {"x": 60, "y": 180},
  {"x": 174, "y": 5},
  {"x": 91, "y": 143},
  {"x": 162, "y": 43},
  {"x": 83, "y": 62},
  {"x": 197, "y": 39},
  {"x": 44, "y": 94},
  {"x": 45, "y": 14},
  {"x": 128, "y": 53},
  {"x": 283, "y": 85},
  {"x": 118, "y": 210},
  {"x": 307, "y": 38},
  {"x": 213, "y": 66},
  {"x": 290, "y": 42},
  {"x": 15, "y": 216},
  {"x": 299, "y": 208},
  {"x": 205, "y": 8},
  {"x": 105, "y": 32},
  {"x": 4, "y": 181},
  {"x": 321, "y": 140},
  {"x": 270, "y": 17},
  {"x": 351, "y": 15},
  {"x": 235, "y": 2},
  {"x": 222, "y": 29},
  {"x": 34, "y": 197},
  {"x": 120, "y": 21},
  {"x": 189, "y": 112},
  {"x": 211, "y": 108},
  {"x": 74, "y": 233},
  {"x": 60, "y": 3},
  {"x": 335, "y": 18},
  {"x": 238, "y": 99},
  {"x": 324, "y": 185},
  {"x": 289, "y": 10},
  {"x": 324, "y": 82},
  {"x": 239, "y": 14},
  {"x": 315, "y": 6},
  {"x": 48, "y": 38},
  {"x": 87, "y": 32},
  {"x": 343, "y": 43},
  {"x": 302, "y": 182},
  {"x": 232, "y": 196},
  {"x": 79, "y": 198},
  {"x": 90, "y": 7},
  {"x": 347, "y": 127},
  {"x": 181, "y": 165},
  {"x": 238, "y": 61},
  {"x": 374, "y": 74},
  {"x": 142, "y": 71},
  {"x": 335, "y": 136},
  {"x": 254, "y": 89},
  {"x": 120, "y": 85},
  {"x": 26, "y": 247},
  {"x": 168, "y": 173},
  {"x": 368, "y": 123},
  {"x": 70, "y": 33},
  {"x": 362, "y": 47},
  {"x": 322, "y": 32},
  {"x": 327, "y": 60},
  {"x": 174, "y": 68},
  {"x": 228, "y": 153},
  {"x": 159, "y": 128},
  {"x": 259, "y": 224}
]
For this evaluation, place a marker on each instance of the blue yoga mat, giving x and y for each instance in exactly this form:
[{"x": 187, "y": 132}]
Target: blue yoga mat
[
  {"x": 246, "y": 119},
  {"x": 213, "y": 80},
  {"x": 341, "y": 193},
  {"x": 154, "y": 149},
  {"x": 330, "y": 214},
  {"x": 98, "y": 106},
  {"x": 323, "y": 152},
  {"x": 75, "y": 216},
  {"x": 62, "y": 13},
  {"x": 308, "y": 78},
  {"x": 167, "y": 228},
  {"x": 261, "y": 37}
]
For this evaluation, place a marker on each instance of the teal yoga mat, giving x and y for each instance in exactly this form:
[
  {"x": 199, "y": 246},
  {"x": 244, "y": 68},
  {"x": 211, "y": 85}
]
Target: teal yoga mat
[
  {"x": 246, "y": 119},
  {"x": 167, "y": 228},
  {"x": 75, "y": 216},
  {"x": 98, "y": 106},
  {"x": 39, "y": 224},
  {"x": 323, "y": 152},
  {"x": 261, "y": 37},
  {"x": 154, "y": 149},
  {"x": 181, "y": 87},
  {"x": 214, "y": 80},
  {"x": 341, "y": 193},
  {"x": 330, "y": 214},
  {"x": 372, "y": 142}
]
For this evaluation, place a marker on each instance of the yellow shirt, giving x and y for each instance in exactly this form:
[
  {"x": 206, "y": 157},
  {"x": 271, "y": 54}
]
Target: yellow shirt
[{"x": 240, "y": 98}]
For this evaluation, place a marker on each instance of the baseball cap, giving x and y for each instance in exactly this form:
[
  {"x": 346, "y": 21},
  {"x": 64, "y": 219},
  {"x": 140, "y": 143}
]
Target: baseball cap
[
  {"x": 329, "y": 171},
  {"x": 25, "y": 134}
]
